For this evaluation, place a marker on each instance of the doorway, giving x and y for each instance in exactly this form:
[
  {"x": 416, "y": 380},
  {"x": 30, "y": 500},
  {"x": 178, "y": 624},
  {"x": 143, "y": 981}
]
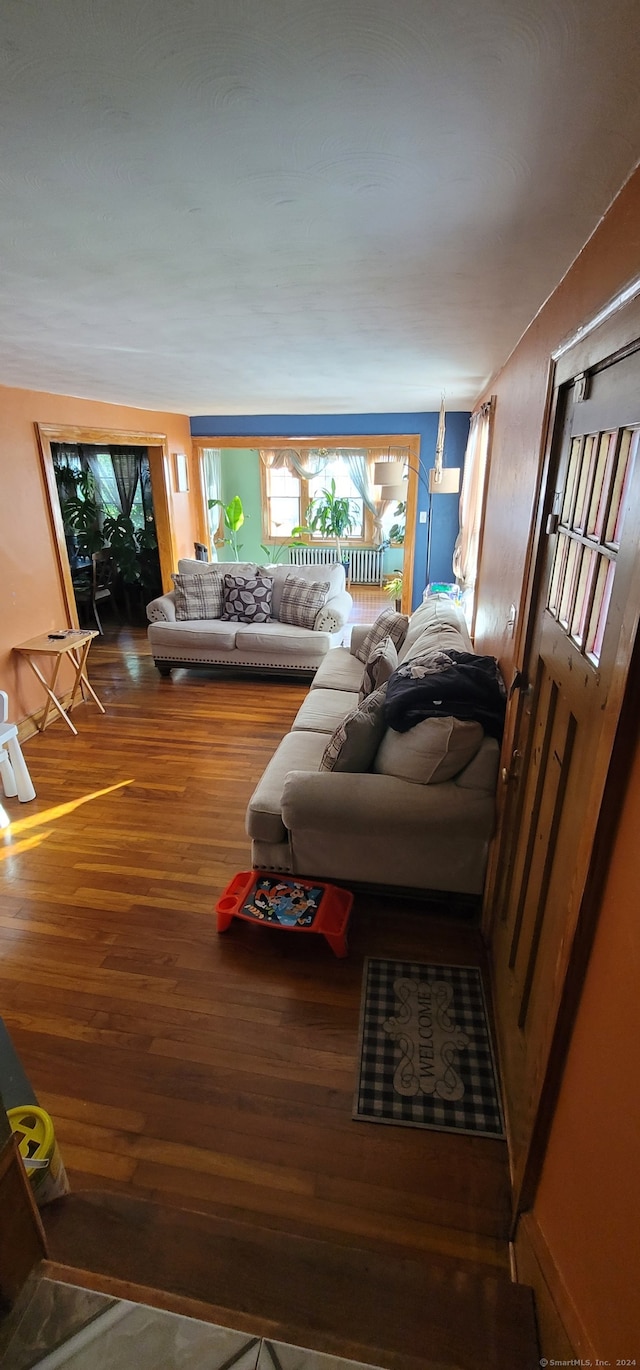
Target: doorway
[
  {"x": 106, "y": 503},
  {"x": 147, "y": 485}
]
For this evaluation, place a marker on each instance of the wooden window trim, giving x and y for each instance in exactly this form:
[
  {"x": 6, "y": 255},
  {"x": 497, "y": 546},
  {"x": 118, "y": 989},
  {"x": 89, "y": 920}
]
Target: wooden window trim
[
  {"x": 305, "y": 500},
  {"x": 379, "y": 441}
]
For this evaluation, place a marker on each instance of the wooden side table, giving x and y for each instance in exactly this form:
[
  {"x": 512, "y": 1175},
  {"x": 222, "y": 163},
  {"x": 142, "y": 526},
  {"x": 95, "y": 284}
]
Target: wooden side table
[{"x": 75, "y": 645}]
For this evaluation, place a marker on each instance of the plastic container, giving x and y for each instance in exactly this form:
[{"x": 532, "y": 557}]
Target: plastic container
[{"x": 33, "y": 1130}]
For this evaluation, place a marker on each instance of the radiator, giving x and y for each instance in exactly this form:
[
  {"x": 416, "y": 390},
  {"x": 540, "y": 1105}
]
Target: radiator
[
  {"x": 365, "y": 566},
  {"x": 312, "y": 556},
  {"x": 365, "y": 563}
]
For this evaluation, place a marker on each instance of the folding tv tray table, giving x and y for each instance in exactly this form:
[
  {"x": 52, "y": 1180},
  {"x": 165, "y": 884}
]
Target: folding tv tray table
[{"x": 74, "y": 645}]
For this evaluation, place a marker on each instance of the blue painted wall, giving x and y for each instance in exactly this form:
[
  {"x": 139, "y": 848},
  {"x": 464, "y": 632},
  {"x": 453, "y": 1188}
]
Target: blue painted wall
[{"x": 444, "y": 522}]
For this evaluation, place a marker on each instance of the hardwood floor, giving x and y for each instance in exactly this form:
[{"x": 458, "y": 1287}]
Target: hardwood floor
[{"x": 211, "y": 1073}]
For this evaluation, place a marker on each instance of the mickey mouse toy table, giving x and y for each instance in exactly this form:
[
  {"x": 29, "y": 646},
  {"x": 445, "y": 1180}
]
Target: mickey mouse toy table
[{"x": 278, "y": 901}]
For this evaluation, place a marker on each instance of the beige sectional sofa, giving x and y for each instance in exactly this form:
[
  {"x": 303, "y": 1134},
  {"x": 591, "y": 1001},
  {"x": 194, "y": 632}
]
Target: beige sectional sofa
[
  {"x": 263, "y": 646},
  {"x": 369, "y": 827}
]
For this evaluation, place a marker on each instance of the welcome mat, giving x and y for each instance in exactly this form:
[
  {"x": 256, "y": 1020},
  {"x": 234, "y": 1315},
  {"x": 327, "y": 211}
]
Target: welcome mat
[{"x": 426, "y": 1058}]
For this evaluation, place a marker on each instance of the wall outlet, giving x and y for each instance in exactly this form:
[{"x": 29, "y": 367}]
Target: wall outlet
[{"x": 423, "y": 516}]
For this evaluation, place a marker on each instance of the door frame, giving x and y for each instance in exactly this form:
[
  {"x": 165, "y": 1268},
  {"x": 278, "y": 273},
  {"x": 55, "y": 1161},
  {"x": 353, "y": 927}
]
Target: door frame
[
  {"x": 379, "y": 440},
  {"x": 158, "y": 453},
  {"x": 610, "y": 340}
]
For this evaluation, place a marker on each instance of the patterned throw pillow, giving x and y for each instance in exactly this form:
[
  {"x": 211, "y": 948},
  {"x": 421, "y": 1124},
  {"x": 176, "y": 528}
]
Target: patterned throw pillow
[
  {"x": 198, "y": 596},
  {"x": 383, "y": 661},
  {"x": 388, "y": 624},
  {"x": 247, "y": 599},
  {"x": 302, "y": 600},
  {"x": 355, "y": 742}
]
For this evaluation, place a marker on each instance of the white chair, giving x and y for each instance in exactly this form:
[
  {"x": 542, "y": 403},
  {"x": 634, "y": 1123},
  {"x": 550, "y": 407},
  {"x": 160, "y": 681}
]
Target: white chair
[{"x": 13, "y": 767}]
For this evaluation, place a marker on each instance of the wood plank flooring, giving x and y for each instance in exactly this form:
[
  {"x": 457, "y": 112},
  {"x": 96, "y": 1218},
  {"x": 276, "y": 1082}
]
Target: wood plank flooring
[{"x": 215, "y": 1074}]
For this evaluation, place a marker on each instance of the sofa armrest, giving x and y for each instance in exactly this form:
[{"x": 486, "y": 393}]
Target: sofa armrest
[
  {"x": 366, "y": 803},
  {"x": 334, "y": 614},
  {"x": 163, "y": 609},
  {"x": 358, "y": 634}
]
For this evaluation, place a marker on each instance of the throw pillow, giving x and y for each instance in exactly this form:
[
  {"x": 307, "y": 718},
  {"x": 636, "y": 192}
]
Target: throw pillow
[
  {"x": 382, "y": 662},
  {"x": 198, "y": 596},
  {"x": 355, "y": 742},
  {"x": 431, "y": 752},
  {"x": 388, "y": 624},
  {"x": 247, "y": 599},
  {"x": 302, "y": 600}
]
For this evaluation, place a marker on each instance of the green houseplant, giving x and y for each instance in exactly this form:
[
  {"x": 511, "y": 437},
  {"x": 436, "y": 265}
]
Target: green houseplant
[
  {"x": 233, "y": 514},
  {"x": 329, "y": 514},
  {"x": 393, "y": 588}
]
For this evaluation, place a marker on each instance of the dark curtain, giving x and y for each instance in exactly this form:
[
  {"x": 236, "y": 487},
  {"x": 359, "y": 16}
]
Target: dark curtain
[
  {"x": 145, "y": 486},
  {"x": 126, "y": 469}
]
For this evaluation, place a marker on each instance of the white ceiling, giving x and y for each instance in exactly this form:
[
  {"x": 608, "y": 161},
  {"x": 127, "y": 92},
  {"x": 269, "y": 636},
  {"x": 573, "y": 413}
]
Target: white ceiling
[{"x": 252, "y": 206}]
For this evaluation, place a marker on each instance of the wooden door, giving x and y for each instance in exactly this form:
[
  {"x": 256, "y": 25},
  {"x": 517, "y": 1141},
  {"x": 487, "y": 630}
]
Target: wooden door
[{"x": 581, "y": 638}]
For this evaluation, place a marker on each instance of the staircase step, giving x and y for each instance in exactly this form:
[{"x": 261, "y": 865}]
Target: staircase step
[{"x": 343, "y": 1300}]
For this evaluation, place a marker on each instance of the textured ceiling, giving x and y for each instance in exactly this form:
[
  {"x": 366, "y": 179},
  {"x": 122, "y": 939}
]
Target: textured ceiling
[{"x": 228, "y": 206}]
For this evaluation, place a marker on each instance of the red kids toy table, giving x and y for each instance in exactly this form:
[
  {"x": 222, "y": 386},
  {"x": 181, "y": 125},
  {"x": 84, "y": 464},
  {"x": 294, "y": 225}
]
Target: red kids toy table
[{"x": 280, "y": 901}]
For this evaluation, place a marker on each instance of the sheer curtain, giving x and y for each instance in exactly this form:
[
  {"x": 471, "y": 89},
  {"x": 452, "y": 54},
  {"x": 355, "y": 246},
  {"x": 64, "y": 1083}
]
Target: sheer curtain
[
  {"x": 306, "y": 466},
  {"x": 359, "y": 466},
  {"x": 465, "y": 552},
  {"x": 212, "y": 474}
]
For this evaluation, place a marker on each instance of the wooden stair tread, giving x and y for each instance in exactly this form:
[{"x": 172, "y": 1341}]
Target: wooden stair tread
[{"x": 299, "y": 1289}]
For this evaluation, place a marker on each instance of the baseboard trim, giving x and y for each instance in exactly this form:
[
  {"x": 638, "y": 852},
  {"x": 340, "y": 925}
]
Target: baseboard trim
[
  {"x": 560, "y": 1329},
  {"x": 31, "y": 724}
]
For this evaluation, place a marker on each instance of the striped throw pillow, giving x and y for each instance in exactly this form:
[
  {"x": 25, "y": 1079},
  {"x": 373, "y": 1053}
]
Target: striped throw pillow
[
  {"x": 355, "y": 742},
  {"x": 302, "y": 600},
  {"x": 388, "y": 624},
  {"x": 198, "y": 596},
  {"x": 383, "y": 661}
]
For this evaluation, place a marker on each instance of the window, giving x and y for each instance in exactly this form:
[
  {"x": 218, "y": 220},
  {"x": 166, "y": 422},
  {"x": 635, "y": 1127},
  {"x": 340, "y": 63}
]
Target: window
[
  {"x": 337, "y": 470},
  {"x": 284, "y": 502},
  {"x": 288, "y": 496}
]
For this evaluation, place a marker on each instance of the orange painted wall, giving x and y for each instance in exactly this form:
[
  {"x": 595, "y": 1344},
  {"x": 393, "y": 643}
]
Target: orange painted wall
[
  {"x": 588, "y": 1205},
  {"x": 30, "y": 595}
]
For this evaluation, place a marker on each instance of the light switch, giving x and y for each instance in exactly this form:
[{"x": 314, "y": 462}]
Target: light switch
[{"x": 423, "y": 516}]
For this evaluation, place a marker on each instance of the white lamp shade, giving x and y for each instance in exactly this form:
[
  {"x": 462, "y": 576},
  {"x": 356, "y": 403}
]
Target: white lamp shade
[
  {"x": 388, "y": 473},
  {"x": 394, "y": 492},
  {"x": 449, "y": 483}
]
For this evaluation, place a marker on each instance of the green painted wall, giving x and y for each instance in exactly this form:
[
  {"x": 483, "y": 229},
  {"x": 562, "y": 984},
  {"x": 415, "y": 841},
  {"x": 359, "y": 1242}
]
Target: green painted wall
[{"x": 241, "y": 476}]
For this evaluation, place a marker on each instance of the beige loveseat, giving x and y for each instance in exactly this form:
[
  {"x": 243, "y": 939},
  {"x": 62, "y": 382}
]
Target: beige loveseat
[
  {"x": 368, "y": 827},
  {"x": 272, "y": 646}
]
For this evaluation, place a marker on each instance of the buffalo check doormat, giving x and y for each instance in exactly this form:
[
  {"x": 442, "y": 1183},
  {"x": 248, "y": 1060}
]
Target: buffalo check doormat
[{"x": 426, "y": 1058}]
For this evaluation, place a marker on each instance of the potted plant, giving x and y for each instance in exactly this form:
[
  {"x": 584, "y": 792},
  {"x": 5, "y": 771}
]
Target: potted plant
[
  {"x": 233, "y": 515},
  {"x": 397, "y": 530},
  {"x": 393, "y": 588},
  {"x": 329, "y": 514}
]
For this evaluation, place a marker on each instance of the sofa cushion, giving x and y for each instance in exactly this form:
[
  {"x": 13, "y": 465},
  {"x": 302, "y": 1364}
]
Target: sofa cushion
[
  {"x": 388, "y": 624},
  {"x": 282, "y": 637},
  {"x": 382, "y": 662},
  {"x": 323, "y": 710},
  {"x": 196, "y": 640},
  {"x": 301, "y": 601},
  {"x": 333, "y": 572},
  {"x": 435, "y": 623},
  {"x": 298, "y": 751},
  {"x": 340, "y": 670},
  {"x": 247, "y": 599},
  {"x": 355, "y": 742},
  {"x": 435, "y": 750},
  {"x": 197, "y": 597}
]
